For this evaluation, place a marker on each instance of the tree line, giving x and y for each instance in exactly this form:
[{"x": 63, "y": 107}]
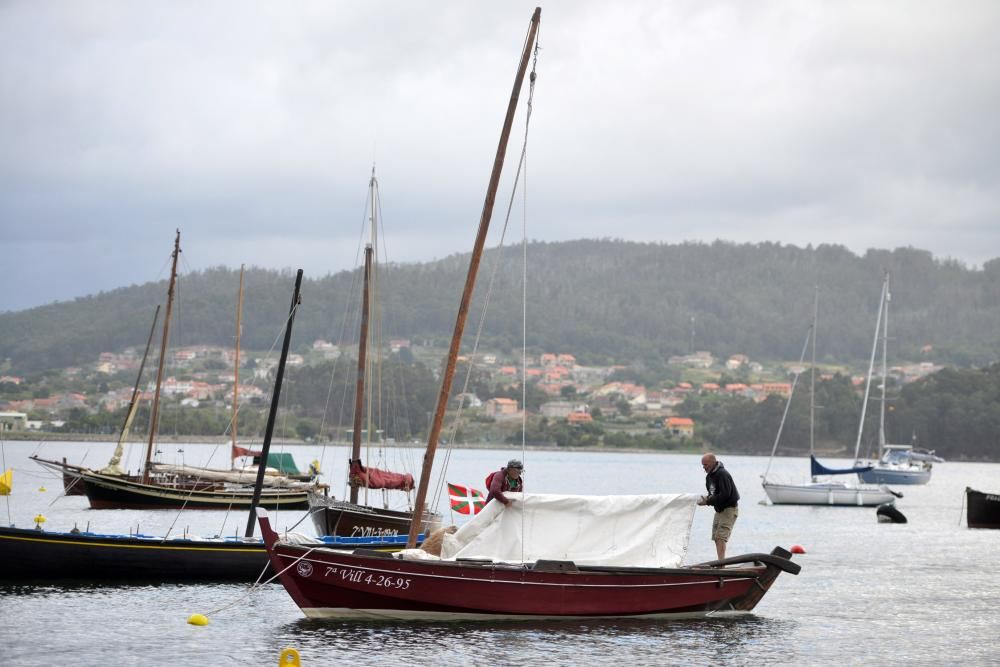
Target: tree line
[{"x": 602, "y": 300}]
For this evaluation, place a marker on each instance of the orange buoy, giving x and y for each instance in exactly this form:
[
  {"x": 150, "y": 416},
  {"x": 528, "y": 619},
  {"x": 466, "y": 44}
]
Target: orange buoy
[{"x": 797, "y": 549}]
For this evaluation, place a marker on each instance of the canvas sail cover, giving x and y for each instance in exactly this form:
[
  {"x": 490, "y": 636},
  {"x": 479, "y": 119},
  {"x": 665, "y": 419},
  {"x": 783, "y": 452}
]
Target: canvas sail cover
[
  {"x": 373, "y": 478},
  {"x": 621, "y": 531},
  {"x": 820, "y": 469},
  {"x": 246, "y": 477}
]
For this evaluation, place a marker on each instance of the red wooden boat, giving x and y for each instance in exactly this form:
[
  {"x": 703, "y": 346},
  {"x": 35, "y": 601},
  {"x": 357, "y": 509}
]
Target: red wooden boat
[
  {"x": 610, "y": 553},
  {"x": 326, "y": 583}
]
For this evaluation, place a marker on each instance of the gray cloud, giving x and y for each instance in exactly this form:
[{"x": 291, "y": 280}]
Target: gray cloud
[{"x": 253, "y": 129}]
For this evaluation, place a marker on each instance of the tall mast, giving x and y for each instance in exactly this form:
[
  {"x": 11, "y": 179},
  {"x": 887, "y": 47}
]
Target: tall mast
[
  {"x": 812, "y": 378},
  {"x": 236, "y": 366},
  {"x": 359, "y": 389},
  {"x": 470, "y": 283},
  {"x": 871, "y": 367},
  {"x": 272, "y": 415},
  {"x": 155, "y": 417},
  {"x": 885, "y": 378}
]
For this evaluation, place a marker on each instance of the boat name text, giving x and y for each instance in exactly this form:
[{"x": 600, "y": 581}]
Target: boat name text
[
  {"x": 365, "y": 577},
  {"x": 368, "y": 531}
]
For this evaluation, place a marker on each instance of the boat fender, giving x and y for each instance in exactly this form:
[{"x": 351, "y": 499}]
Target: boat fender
[
  {"x": 289, "y": 658},
  {"x": 797, "y": 549},
  {"x": 888, "y": 513},
  {"x": 197, "y": 619}
]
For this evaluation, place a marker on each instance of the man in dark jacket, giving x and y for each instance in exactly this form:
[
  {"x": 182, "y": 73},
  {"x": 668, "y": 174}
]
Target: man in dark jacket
[
  {"x": 506, "y": 479},
  {"x": 723, "y": 496}
]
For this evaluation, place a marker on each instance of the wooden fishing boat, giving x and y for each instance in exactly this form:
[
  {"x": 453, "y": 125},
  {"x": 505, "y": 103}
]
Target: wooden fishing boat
[
  {"x": 353, "y": 518},
  {"x": 161, "y": 486},
  {"x": 110, "y": 492},
  {"x": 982, "y": 510},
  {"x": 328, "y": 583},
  {"x": 581, "y": 557},
  {"x": 346, "y": 519}
]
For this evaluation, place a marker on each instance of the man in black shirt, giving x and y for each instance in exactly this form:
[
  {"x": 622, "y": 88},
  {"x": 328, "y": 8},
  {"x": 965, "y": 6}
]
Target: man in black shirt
[{"x": 723, "y": 496}]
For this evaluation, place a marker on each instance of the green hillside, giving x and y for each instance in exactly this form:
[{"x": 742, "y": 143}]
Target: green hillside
[{"x": 602, "y": 300}]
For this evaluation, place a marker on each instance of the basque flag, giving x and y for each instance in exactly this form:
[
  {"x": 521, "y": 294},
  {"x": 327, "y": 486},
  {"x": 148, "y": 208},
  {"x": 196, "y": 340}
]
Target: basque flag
[{"x": 465, "y": 501}]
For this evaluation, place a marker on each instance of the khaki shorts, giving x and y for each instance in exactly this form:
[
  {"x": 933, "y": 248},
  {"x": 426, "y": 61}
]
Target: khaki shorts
[{"x": 722, "y": 525}]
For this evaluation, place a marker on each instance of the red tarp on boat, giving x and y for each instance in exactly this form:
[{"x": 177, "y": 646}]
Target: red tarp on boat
[
  {"x": 243, "y": 451},
  {"x": 373, "y": 478}
]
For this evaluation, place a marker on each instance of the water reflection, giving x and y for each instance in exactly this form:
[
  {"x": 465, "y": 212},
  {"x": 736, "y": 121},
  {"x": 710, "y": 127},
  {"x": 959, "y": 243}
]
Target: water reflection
[{"x": 635, "y": 642}]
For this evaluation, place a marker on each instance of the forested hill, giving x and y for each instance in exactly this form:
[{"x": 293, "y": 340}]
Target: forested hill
[{"x": 601, "y": 300}]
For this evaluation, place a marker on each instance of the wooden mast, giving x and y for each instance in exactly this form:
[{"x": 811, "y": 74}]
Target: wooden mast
[
  {"x": 155, "y": 417},
  {"x": 470, "y": 283},
  {"x": 269, "y": 429},
  {"x": 236, "y": 367},
  {"x": 359, "y": 389}
]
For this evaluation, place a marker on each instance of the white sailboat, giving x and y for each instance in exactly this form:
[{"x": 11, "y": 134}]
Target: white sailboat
[
  {"x": 825, "y": 491},
  {"x": 896, "y": 464}
]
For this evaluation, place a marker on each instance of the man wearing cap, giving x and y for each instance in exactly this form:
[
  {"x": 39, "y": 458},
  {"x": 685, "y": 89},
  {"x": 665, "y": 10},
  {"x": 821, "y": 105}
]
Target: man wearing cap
[{"x": 506, "y": 479}]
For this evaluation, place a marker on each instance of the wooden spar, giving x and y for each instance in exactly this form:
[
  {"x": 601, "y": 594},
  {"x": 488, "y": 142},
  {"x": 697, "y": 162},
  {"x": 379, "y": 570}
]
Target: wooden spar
[
  {"x": 155, "y": 417},
  {"x": 116, "y": 458},
  {"x": 470, "y": 283},
  {"x": 359, "y": 389},
  {"x": 269, "y": 429},
  {"x": 236, "y": 366}
]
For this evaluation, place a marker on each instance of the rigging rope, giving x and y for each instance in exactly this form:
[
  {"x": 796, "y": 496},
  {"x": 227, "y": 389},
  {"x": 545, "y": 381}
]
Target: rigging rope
[{"x": 788, "y": 403}]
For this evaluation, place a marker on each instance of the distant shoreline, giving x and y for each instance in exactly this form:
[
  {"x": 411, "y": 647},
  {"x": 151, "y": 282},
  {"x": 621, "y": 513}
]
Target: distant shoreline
[
  {"x": 21, "y": 436},
  {"x": 212, "y": 440}
]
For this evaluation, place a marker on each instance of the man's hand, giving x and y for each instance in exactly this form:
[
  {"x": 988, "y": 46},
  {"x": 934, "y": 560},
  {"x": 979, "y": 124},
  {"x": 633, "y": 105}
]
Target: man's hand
[{"x": 703, "y": 500}]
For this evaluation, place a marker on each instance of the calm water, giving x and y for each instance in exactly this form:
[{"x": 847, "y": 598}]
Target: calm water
[{"x": 921, "y": 593}]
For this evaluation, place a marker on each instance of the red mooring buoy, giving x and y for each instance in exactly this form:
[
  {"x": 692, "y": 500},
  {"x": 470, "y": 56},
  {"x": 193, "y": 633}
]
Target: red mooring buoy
[{"x": 797, "y": 549}]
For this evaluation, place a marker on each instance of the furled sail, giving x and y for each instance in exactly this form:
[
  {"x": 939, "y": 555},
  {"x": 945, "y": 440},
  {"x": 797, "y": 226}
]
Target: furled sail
[
  {"x": 373, "y": 478},
  {"x": 820, "y": 469}
]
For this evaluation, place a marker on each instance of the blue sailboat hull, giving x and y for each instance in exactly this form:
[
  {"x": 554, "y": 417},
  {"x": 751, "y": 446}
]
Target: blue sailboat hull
[{"x": 879, "y": 475}]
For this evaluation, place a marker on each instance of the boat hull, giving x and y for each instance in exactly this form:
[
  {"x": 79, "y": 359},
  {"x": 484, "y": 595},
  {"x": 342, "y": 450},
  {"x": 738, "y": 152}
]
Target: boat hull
[
  {"x": 895, "y": 476},
  {"x": 822, "y": 493},
  {"x": 330, "y": 584},
  {"x": 982, "y": 510},
  {"x": 31, "y": 555},
  {"x": 343, "y": 519},
  {"x": 105, "y": 492},
  {"x": 34, "y": 555}
]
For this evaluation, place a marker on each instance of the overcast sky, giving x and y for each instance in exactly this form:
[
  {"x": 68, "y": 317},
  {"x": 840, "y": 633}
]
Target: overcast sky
[{"x": 253, "y": 128}]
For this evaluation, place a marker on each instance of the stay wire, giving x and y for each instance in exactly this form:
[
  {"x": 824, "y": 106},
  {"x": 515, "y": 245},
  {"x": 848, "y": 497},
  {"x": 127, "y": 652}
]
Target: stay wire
[{"x": 439, "y": 487}]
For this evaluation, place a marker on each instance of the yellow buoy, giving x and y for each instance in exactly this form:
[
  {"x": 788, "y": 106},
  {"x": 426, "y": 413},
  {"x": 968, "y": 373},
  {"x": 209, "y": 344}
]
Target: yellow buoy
[
  {"x": 289, "y": 658},
  {"x": 198, "y": 619},
  {"x": 39, "y": 520},
  {"x": 42, "y": 489}
]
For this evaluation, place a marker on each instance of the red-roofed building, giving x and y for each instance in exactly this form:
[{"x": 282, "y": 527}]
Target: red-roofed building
[
  {"x": 682, "y": 427},
  {"x": 566, "y": 360},
  {"x": 500, "y": 407},
  {"x": 579, "y": 418},
  {"x": 779, "y": 388}
]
